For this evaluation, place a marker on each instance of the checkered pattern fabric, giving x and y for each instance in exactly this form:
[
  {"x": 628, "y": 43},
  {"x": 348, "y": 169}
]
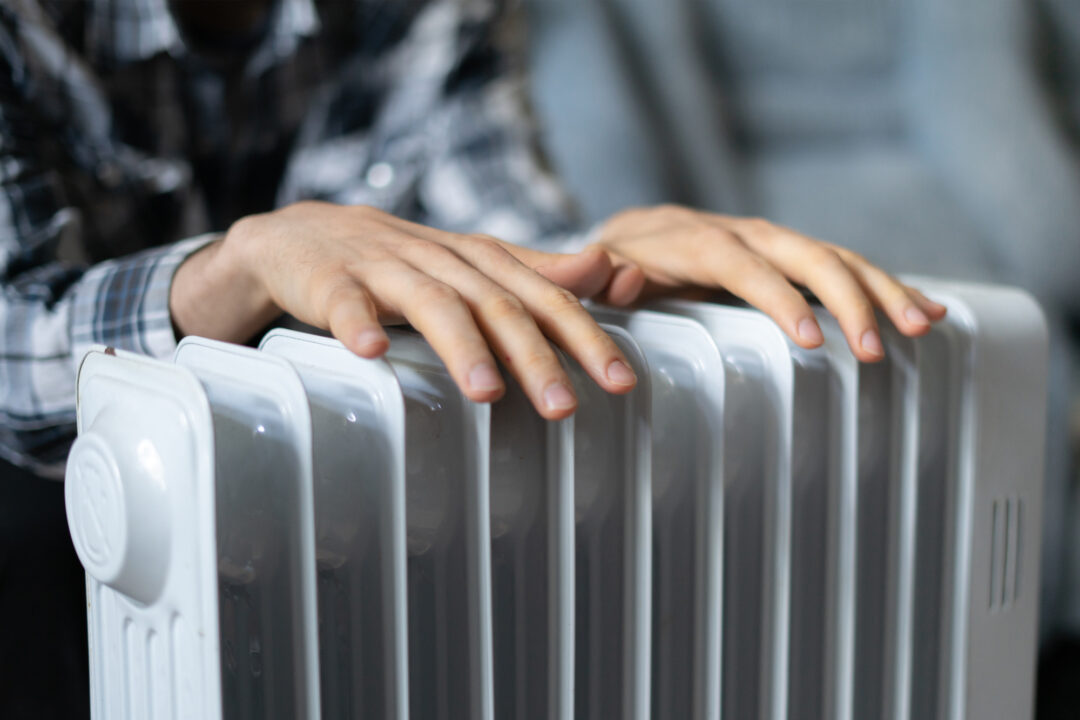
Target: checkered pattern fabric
[{"x": 125, "y": 144}]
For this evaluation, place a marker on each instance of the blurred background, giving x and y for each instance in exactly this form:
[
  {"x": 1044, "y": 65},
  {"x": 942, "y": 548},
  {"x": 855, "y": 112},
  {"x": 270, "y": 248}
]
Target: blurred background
[{"x": 939, "y": 137}]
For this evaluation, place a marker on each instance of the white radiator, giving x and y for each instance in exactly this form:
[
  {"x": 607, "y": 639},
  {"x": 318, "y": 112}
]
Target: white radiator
[{"x": 757, "y": 532}]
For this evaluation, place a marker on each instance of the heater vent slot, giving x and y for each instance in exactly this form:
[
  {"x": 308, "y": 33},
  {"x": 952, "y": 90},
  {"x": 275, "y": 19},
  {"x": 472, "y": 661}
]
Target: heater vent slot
[{"x": 1006, "y": 527}]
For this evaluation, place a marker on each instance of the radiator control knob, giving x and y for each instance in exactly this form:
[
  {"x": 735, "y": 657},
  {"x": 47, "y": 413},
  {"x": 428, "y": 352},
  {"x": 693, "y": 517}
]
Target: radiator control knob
[{"x": 117, "y": 510}]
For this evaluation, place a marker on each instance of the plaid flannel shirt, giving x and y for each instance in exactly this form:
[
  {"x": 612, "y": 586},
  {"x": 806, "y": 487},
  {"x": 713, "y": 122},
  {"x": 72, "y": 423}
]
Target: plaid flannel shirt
[{"x": 118, "y": 140}]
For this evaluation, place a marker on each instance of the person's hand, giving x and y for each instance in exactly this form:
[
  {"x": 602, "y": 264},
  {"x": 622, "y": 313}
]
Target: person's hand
[
  {"x": 664, "y": 249},
  {"x": 351, "y": 269}
]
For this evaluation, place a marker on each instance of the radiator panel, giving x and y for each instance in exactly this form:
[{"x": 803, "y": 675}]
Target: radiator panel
[
  {"x": 127, "y": 402},
  {"x": 358, "y": 429},
  {"x": 532, "y": 569},
  {"x": 447, "y": 450},
  {"x": 874, "y": 470},
  {"x": 613, "y": 500},
  {"x": 1000, "y": 340},
  {"x": 686, "y": 376},
  {"x": 812, "y": 426},
  {"x": 936, "y": 497},
  {"x": 265, "y": 530},
  {"x": 760, "y": 391}
]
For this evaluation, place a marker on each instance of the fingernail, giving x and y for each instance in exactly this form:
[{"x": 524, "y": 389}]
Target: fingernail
[
  {"x": 558, "y": 397},
  {"x": 484, "y": 377},
  {"x": 367, "y": 338},
  {"x": 871, "y": 343},
  {"x": 915, "y": 316},
  {"x": 619, "y": 373},
  {"x": 809, "y": 331}
]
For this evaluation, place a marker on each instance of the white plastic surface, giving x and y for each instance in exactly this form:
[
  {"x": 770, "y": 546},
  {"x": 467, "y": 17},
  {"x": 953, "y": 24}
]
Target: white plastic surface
[
  {"x": 613, "y": 499},
  {"x": 532, "y": 559},
  {"x": 264, "y": 530},
  {"x": 358, "y": 441},
  {"x": 140, "y": 506},
  {"x": 873, "y": 474},
  {"x": 812, "y": 431},
  {"x": 997, "y": 341},
  {"x": 686, "y": 376},
  {"x": 822, "y": 539},
  {"x": 447, "y": 440},
  {"x": 760, "y": 390}
]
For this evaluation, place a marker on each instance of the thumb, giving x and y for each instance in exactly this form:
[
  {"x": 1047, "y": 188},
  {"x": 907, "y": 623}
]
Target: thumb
[
  {"x": 627, "y": 283},
  {"x": 585, "y": 274}
]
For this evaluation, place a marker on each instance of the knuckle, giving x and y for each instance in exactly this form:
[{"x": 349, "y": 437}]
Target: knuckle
[
  {"x": 671, "y": 212},
  {"x": 304, "y": 206},
  {"x": 853, "y": 257},
  {"x": 503, "y": 306},
  {"x": 563, "y": 302},
  {"x": 745, "y": 262},
  {"x": 482, "y": 240},
  {"x": 364, "y": 211},
  {"x": 540, "y": 360},
  {"x": 431, "y": 290},
  {"x": 371, "y": 253},
  {"x": 849, "y": 256},
  {"x": 324, "y": 275},
  {"x": 862, "y": 308},
  {"x": 488, "y": 247},
  {"x": 338, "y": 294},
  {"x": 890, "y": 287},
  {"x": 760, "y": 227},
  {"x": 824, "y": 258},
  {"x": 670, "y": 208},
  {"x": 415, "y": 247},
  {"x": 740, "y": 268},
  {"x": 328, "y": 286},
  {"x": 722, "y": 236},
  {"x": 596, "y": 337}
]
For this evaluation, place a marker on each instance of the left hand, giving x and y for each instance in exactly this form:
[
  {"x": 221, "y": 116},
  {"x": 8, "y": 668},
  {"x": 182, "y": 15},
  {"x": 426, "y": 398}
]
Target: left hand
[{"x": 664, "y": 249}]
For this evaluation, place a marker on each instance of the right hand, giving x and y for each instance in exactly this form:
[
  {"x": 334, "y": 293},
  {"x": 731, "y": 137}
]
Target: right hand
[{"x": 352, "y": 269}]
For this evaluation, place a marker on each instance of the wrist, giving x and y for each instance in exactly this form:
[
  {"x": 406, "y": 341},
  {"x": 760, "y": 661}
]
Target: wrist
[
  {"x": 217, "y": 292},
  {"x": 239, "y": 260}
]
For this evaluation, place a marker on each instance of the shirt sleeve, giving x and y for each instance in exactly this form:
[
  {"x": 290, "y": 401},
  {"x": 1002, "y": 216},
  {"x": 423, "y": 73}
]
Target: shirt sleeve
[
  {"x": 51, "y": 311},
  {"x": 453, "y": 143}
]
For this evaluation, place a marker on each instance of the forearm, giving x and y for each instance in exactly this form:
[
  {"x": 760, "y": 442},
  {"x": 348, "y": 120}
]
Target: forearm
[{"x": 214, "y": 294}]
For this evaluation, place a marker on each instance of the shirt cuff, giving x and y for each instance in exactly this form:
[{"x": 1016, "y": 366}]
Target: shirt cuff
[{"x": 124, "y": 303}]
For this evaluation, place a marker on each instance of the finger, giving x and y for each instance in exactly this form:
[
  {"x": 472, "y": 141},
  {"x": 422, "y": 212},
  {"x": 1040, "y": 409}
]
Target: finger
[
  {"x": 627, "y": 282},
  {"x": 507, "y": 327},
  {"x": 722, "y": 261},
  {"x": 935, "y": 311},
  {"x": 441, "y": 315},
  {"x": 352, "y": 319},
  {"x": 557, "y": 312},
  {"x": 586, "y": 274},
  {"x": 889, "y": 294},
  {"x": 595, "y": 272},
  {"x": 824, "y": 272}
]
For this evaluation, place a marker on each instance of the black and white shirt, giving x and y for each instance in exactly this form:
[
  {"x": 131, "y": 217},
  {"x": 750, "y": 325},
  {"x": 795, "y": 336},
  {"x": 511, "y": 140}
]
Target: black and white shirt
[{"x": 123, "y": 149}]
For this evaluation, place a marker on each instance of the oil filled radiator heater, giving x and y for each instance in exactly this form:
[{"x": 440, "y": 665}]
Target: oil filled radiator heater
[{"x": 757, "y": 532}]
